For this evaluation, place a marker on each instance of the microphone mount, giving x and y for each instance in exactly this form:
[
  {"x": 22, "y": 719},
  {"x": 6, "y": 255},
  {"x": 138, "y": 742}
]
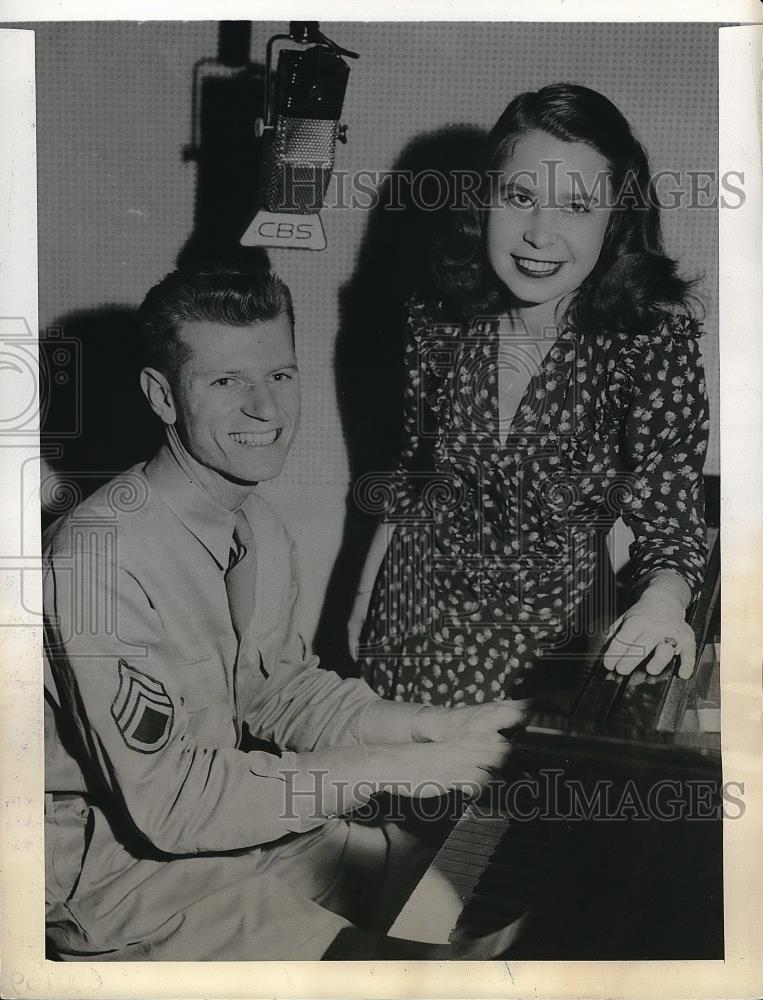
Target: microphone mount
[
  {"x": 305, "y": 33},
  {"x": 305, "y": 84}
]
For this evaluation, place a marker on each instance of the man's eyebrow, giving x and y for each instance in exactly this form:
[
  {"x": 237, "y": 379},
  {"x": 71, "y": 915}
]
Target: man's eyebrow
[
  {"x": 217, "y": 371},
  {"x": 196, "y": 372},
  {"x": 289, "y": 366}
]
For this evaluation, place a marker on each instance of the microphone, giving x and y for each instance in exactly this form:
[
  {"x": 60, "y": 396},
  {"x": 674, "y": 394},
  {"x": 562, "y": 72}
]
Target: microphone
[{"x": 300, "y": 129}]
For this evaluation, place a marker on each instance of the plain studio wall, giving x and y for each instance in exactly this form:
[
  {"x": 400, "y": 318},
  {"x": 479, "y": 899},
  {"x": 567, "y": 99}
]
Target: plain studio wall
[{"x": 116, "y": 197}]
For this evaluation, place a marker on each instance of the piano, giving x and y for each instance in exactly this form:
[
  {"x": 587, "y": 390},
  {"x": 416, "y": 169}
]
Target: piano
[{"x": 605, "y": 839}]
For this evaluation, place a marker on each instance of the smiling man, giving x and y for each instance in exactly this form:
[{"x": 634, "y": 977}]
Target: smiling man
[
  {"x": 234, "y": 403},
  {"x": 198, "y": 761}
]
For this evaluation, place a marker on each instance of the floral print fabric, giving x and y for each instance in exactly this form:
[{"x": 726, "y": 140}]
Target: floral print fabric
[{"x": 494, "y": 547}]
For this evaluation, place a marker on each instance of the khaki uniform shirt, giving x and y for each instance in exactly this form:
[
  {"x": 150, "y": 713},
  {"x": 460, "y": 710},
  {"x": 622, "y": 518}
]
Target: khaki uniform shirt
[{"x": 147, "y": 690}]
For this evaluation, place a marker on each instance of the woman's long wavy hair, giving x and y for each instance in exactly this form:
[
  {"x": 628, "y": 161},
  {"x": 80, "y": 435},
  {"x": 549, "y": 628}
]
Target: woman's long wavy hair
[{"x": 633, "y": 283}]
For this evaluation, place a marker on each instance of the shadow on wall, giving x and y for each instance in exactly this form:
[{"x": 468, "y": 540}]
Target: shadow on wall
[
  {"x": 227, "y": 95},
  {"x": 95, "y": 421},
  {"x": 395, "y": 260}
]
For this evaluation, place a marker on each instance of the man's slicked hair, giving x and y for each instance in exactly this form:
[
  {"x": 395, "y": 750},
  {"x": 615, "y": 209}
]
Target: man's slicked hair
[{"x": 209, "y": 296}]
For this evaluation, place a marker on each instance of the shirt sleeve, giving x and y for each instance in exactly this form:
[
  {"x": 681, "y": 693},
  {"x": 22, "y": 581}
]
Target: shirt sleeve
[
  {"x": 665, "y": 435},
  {"x": 112, "y": 664},
  {"x": 303, "y": 707}
]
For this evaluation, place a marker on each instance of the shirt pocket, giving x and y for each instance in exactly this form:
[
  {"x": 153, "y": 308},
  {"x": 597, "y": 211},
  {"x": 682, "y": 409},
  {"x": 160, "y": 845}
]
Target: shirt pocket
[{"x": 205, "y": 698}]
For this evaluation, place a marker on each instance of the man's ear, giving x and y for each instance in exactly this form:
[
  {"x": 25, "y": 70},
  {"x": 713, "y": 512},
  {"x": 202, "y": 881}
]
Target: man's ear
[{"x": 157, "y": 391}]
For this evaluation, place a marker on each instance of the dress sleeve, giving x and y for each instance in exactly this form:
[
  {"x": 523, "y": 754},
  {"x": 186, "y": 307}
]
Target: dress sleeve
[
  {"x": 423, "y": 380},
  {"x": 664, "y": 443}
]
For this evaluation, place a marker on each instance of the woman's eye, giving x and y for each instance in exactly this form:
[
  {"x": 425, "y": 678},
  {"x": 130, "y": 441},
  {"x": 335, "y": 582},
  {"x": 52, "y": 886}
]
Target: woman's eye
[
  {"x": 282, "y": 376},
  {"x": 518, "y": 199},
  {"x": 577, "y": 208}
]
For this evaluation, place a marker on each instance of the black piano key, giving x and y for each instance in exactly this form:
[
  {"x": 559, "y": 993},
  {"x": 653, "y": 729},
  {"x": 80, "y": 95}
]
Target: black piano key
[
  {"x": 516, "y": 875},
  {"x": 485, "y": 828},
  {"x": 463, "y": 885},
  {"x": 475, "y": 840},
  {"x": 458, "y": 866},
  {"x": 461, "y": 860},
  {"x": 507, "y": 882}
]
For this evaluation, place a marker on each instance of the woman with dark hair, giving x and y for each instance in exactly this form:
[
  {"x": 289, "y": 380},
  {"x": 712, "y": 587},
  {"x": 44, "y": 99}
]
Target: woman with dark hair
[{"x": 554, "y": 384}]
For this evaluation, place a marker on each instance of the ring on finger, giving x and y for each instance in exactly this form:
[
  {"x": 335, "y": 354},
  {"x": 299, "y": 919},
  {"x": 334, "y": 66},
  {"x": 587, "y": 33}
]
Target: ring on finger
[{"x": 669, "y": 640}]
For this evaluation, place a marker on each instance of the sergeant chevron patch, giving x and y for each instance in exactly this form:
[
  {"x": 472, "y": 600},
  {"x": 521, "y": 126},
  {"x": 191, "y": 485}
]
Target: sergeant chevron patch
[{"x": 142, "y": 710}]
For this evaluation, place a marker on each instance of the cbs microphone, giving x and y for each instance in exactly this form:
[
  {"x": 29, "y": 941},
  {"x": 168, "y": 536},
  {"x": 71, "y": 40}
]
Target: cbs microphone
[{"x": 300, "y": 129}]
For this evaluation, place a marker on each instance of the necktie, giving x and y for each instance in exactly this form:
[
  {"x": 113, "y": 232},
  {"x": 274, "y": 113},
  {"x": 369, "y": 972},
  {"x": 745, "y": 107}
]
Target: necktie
[{"x": 239, "y": 577}]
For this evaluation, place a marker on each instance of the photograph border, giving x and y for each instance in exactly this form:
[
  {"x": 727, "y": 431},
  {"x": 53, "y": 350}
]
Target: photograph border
[{"x": 25, "y": 972}]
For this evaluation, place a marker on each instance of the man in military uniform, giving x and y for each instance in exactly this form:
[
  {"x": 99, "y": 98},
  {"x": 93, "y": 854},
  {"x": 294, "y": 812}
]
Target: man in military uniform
[{"x": 198, "y": 761}]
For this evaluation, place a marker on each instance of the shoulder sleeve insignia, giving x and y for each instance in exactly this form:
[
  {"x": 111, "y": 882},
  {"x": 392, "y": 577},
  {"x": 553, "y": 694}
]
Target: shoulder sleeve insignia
[{"x": 142, "y": 710}]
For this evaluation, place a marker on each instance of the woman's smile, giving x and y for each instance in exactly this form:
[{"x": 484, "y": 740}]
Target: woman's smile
[
  {"x": 533, "y": 268},
  {"x": 545, "y": 236}
]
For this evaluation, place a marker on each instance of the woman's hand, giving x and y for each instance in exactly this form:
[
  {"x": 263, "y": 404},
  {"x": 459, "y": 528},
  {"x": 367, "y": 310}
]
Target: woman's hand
[{"x": 655, "y": 624}]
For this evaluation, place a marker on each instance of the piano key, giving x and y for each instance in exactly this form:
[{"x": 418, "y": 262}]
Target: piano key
[
  {"x": 460, "y": 867},
  {"x": 473, "y": 832},
  {"x": 432, "y": 911},
  {"x": 475, "y": 840}
]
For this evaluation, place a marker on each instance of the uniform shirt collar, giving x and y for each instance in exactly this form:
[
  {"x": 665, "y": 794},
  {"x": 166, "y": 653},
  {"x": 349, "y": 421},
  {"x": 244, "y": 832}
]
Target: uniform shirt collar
[{"x": 210, "y": 522}]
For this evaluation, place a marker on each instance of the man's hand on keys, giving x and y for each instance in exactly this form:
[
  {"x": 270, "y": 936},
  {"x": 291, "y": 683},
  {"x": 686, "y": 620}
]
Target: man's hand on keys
[
  {"x": 423, "y": 770},
  {"x": 432, "y": 724}
]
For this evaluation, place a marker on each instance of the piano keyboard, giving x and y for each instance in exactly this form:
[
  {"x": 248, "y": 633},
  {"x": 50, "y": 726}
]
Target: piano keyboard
[
  {"x": 482, "y": 879},
  {"x": 585, "y": 885}
]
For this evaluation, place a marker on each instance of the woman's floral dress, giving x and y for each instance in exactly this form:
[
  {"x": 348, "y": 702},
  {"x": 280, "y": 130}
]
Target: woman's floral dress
[{"x": 494, "y": 544}]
